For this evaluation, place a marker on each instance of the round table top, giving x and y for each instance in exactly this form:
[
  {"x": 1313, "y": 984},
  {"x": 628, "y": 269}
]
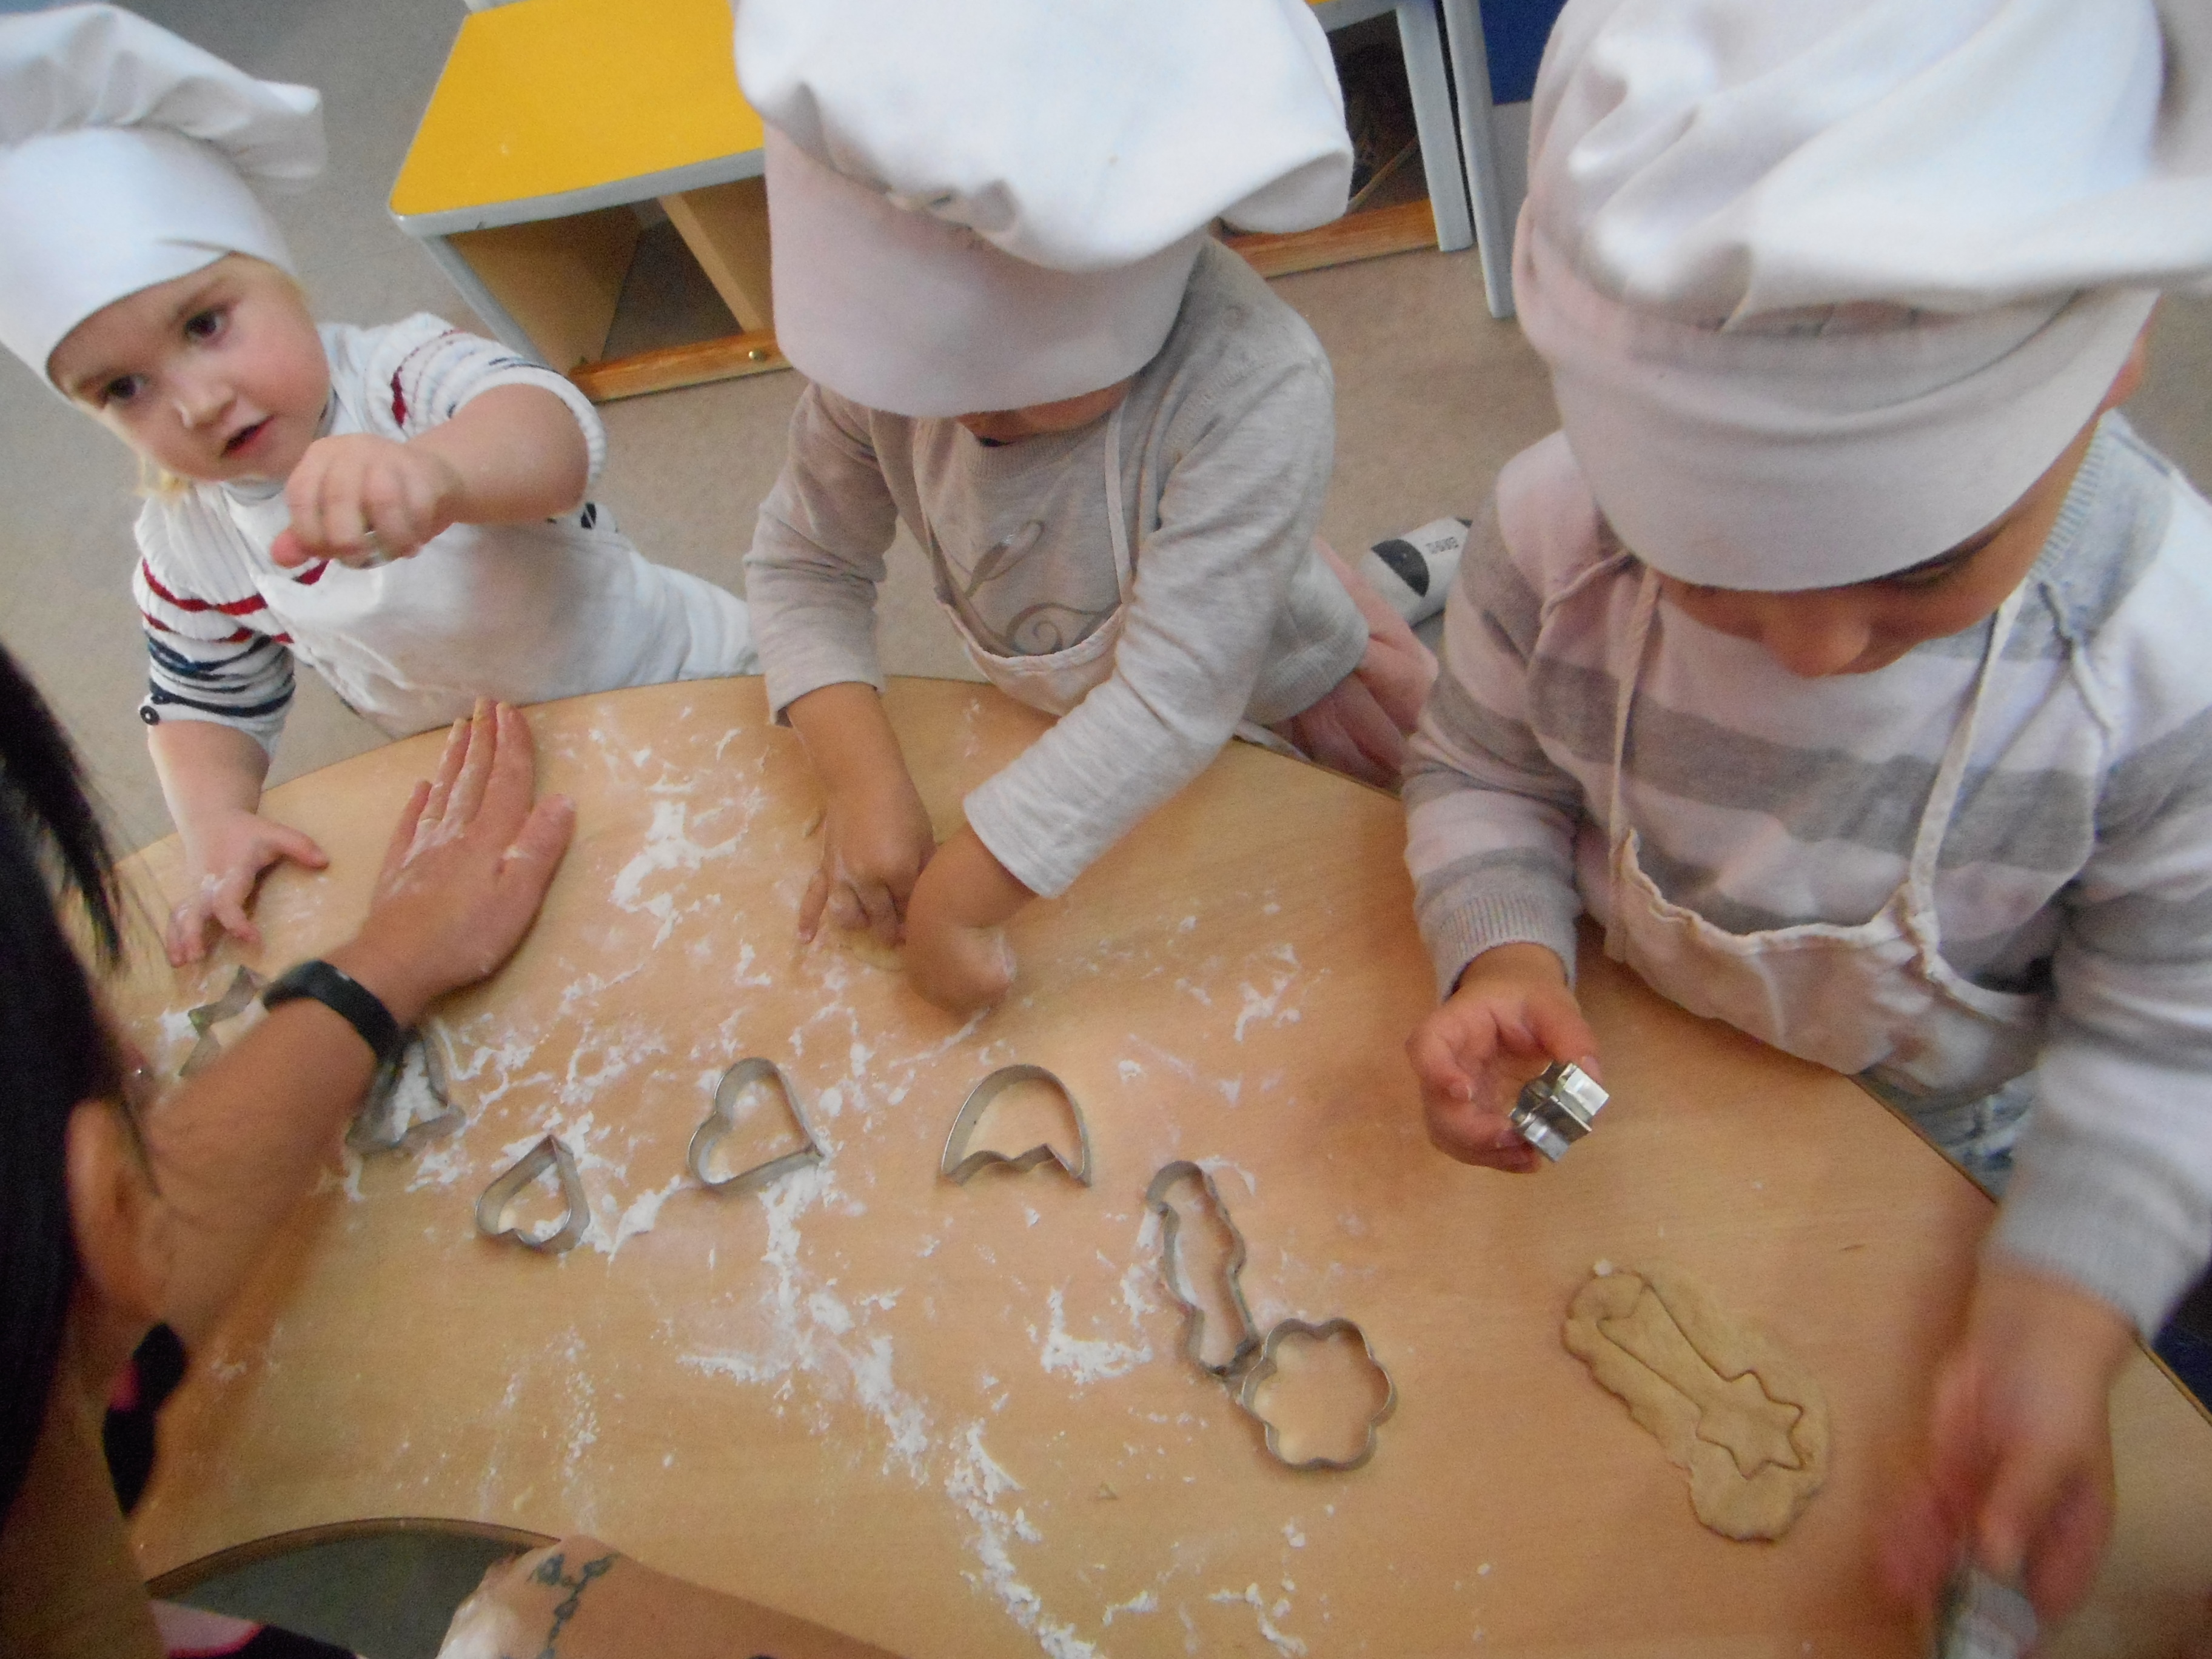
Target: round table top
[{"x": 959, "y": 1418}]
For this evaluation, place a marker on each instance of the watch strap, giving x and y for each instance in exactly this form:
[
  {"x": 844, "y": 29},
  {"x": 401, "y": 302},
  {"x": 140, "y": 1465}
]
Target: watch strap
[{"x": 344, "y": 996}]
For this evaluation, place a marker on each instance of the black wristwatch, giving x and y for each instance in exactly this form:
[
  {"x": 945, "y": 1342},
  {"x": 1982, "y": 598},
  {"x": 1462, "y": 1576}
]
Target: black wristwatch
[{"x": 347, "y": 998}]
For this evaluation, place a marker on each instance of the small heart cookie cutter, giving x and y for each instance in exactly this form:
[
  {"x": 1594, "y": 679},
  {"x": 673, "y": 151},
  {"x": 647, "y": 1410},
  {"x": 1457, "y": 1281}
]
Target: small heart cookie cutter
[
  {"x": 376, "y": 1127},
  {"x": 237, "y": 997},
  {"x": 549, "y": 1153},
  {"x": 958, "y": 1163},
  {"x": 721, "y": 1118},
  {"x": 1194, "y": 1339},
  {"x": 1262, "y": 1367}
]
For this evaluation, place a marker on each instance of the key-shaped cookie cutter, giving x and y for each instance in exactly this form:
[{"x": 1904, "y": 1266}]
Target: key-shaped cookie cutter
[
  {"x": 549, "y": 1153},
  {"x": 1557, "y": 1107},
  {"x": 1194, "y": 1337},
  {"x": 237, "y": 997},
  {"x": 721, "y": 1118},
  {"x": 377, "y": 1127},
  {"x": 1262, "y": 1367},
  {"x": 958, "y": 1163}
]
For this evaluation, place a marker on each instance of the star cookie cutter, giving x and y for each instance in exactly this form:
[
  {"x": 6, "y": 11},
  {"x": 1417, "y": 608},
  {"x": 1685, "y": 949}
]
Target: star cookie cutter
[
  {"x": 958, "y": 1163},
  {"x": 1194, "y": 1339},
  {"x": 379, "y": 1126},
  {"x": 721, "y": 1118},
  {"x": 237, "y": 997},
  {"x": 1262, "y": 1367},
  {"x": 549, "y": 1153},
  {"x": 1557, "y": 1107}
]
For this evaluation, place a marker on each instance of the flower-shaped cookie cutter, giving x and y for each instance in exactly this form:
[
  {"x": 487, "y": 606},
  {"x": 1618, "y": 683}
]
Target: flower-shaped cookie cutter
[
  {"x": 1193, "y": 1337},
  {"x": 1557, "y": 1107},
  {"x": 549, "y": 1153},
  {"x": 237, "y": 997},
  {"x": 381, "y": 1125},
  {"x": 721, "y": 1118},
  {"x": 958, "y": 1163},
  {"x": 1262, "y": 1368}
]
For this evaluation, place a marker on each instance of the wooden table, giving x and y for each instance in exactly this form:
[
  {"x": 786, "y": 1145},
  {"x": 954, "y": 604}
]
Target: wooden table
[{"x": 957, "y": 1420}]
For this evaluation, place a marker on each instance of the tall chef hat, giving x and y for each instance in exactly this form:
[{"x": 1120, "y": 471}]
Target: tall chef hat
[
  {"x": 1825, "y": 285},
  {"x": 124, "y": 153},
  {"x": 980, "y": 205}
]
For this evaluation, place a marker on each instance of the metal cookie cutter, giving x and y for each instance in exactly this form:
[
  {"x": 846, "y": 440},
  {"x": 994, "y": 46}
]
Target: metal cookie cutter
[
  {"x": 238, "y": 996},
  {"x": 1194, "y": 1339},
  {"x": 381, "y": 1124},
  {"x": 1981, "y": 1618},
  {"x": 1557, "y": 1109},
  {"x": 549, "y": 1153},
  {"x": 958, "y": 1163},
  {"x": 1263, "y": 1367},
  {"x": 721, "y": 1118}
]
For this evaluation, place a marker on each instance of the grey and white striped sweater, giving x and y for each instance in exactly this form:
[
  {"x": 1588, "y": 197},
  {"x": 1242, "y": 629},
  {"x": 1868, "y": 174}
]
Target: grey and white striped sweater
[{"x": 2078, "y": 864}]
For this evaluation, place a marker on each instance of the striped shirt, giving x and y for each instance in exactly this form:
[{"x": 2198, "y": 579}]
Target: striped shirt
[{"x": 2078, "y": 864}]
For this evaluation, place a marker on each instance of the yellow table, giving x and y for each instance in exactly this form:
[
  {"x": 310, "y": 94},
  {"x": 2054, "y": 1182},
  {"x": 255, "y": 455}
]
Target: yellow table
[{"x": 957, "y": 1420}]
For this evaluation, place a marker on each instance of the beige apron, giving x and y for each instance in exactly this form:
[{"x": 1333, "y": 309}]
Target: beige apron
[{"x": 1876, "y": 998}]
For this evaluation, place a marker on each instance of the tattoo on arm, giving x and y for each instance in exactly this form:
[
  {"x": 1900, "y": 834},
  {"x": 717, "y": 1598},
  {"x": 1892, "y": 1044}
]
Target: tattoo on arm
[{"x": 553, "y": 1574}]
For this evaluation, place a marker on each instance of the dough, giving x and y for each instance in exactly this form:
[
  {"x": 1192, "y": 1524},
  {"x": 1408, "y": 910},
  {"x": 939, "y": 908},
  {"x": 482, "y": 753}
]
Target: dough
[
  {"x": 863, "y": 947},
  {"x": 1724, "y": 1399}
]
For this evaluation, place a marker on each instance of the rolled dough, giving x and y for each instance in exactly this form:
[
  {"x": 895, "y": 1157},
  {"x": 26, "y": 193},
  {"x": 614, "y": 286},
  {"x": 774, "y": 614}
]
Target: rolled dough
[{"x": 1726, "y": 1402}]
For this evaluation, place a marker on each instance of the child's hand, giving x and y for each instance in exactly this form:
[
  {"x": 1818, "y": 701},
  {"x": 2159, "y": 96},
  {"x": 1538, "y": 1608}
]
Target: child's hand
[
  {"x": 875, "y": 840},
  {"x": 1512, "y": 1003},
  {"x": 2019, "y": 1460},
  {"x": 360, "y": 498},
  {"x": 957, "y": 954},
  {"x": 229, "y": 854}
]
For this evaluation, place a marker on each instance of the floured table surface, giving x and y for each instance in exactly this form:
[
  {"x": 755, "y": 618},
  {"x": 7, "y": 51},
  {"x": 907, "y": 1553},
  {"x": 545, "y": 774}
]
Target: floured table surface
[{"x": 957, "y": 1419}]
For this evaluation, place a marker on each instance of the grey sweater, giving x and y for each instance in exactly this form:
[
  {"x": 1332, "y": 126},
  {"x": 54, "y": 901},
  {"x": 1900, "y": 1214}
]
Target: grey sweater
[{"x": 1226, "y": 445}]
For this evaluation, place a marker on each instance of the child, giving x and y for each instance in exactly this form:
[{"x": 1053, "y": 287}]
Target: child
[
  {"x": 1845, "y": 656},
  {"x": 1110, "y": 439},
  {"x": 403, "y": 507}
]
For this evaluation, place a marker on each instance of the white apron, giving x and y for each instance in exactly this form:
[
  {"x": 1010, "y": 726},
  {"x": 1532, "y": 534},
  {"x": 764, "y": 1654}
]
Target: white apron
[{"x": 1876, "y": 998}]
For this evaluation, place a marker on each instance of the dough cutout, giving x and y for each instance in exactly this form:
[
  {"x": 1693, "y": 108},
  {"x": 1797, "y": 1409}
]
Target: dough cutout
[{"x": 1726, "y": 1402}]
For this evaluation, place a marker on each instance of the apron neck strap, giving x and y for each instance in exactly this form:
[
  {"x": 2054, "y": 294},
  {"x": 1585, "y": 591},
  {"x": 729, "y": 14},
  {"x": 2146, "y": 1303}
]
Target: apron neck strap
[{"x": 1116, "y": 524}]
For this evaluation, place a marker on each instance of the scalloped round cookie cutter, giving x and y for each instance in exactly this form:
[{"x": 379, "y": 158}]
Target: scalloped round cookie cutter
[
  {"x": 374, "y": 1128},
  {"x": 721, "y": 1118},
  {"x": 1193, "y": 1337},
  {"x": 1262, "y": 1367},
  {"x": 237, "y": 997},
  {"x": 958, "y": 1163},
  {"x": 549, "y": 1153}
]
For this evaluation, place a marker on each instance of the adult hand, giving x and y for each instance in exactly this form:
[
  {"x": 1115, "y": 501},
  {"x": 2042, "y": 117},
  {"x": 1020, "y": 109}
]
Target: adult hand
[
  {"x": 359, "y": 498},
  {"x": 467, "y": 869},
  {"x": 1512, "y": 1004},
  {"x": 229, "y": 853},
  {"x": 2019, "y": 1455},
  {"x": 1348, "y": 730}
]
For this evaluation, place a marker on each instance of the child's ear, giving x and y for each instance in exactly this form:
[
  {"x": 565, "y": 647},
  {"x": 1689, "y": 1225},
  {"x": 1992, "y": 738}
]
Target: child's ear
[
  {"x": 2130, "y": 379},
  {"x": 116, "y": 1215}
]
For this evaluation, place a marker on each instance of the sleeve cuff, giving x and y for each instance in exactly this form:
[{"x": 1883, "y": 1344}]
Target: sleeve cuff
[{"x": 1459, "y": 927}]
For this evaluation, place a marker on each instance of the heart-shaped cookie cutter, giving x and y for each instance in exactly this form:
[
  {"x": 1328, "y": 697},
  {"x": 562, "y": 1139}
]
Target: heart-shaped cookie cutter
[
  {"x": 1194, "y": 1339},
  {"x": 549, "y": 1153},
  {"x": 958, "y": 1163},
  {"x": 376, "y": 1127},
  {"x": 721, "y": 1118},
  {"x": 1262, "y": 1367},
  {"x": 237, "y": 997}
]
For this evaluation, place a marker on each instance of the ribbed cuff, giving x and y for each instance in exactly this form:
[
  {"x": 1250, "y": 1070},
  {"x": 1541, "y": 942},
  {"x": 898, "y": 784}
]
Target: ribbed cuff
[
  {"x": 2086, "y": 1220},
  {"x": 1458, "y": 929}
]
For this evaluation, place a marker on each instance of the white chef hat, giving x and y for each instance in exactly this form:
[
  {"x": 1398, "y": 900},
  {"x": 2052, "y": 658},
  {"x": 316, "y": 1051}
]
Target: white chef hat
[
  {"x": 1825, "y": 285},
  {"x": 124, "y": 156},
  {"x": 980, "y": 205}
]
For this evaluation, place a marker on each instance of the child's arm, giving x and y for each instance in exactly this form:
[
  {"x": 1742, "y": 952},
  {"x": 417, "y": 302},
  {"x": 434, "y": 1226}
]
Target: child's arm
[
  {"x": 211, "y": 777},
  {"x": 876, "y": 834},
  {"x": 957, "y": 955}
]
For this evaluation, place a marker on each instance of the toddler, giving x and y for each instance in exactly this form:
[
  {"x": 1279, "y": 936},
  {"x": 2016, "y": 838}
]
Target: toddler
[
  {"x": 1109, "y": 438},
  {"x": 403, "y": 507},
  {"x": 1843, "y": 655}
]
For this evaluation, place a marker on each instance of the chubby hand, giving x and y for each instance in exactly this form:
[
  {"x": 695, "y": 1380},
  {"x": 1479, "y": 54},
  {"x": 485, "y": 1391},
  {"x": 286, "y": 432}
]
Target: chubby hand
[
  {"x": 957, "y": 954},
  {"x": 1512, "y": 1004},
  {"x": 2019, "y": 1470},
  {"x": 875, "y": 840},
  {"x": 229, "y": 855},
  {"x": 360, "y": 498}
]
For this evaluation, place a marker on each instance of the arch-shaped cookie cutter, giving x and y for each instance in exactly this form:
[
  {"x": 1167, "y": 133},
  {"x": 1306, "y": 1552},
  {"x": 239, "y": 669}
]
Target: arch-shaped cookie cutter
[
  {"x": 957, "y": 1163},
  {"x": 374, "y": 1128},
  {"x": 549, "y": 1153},
  {"x": 721, "y": 1118},
  {"x": 237, "y": 997},
  {"x": 1262, "y": 1366},
  {"x": 1194, "y": 1339}
]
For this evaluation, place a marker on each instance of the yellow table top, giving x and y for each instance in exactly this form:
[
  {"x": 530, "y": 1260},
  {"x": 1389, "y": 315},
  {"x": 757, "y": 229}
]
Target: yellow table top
[{"x": 555, "y": 106}]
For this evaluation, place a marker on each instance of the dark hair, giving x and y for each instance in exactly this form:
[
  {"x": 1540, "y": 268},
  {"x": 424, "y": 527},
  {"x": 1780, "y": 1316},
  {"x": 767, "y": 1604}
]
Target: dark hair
[{"x": 54, "y": 1049}]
